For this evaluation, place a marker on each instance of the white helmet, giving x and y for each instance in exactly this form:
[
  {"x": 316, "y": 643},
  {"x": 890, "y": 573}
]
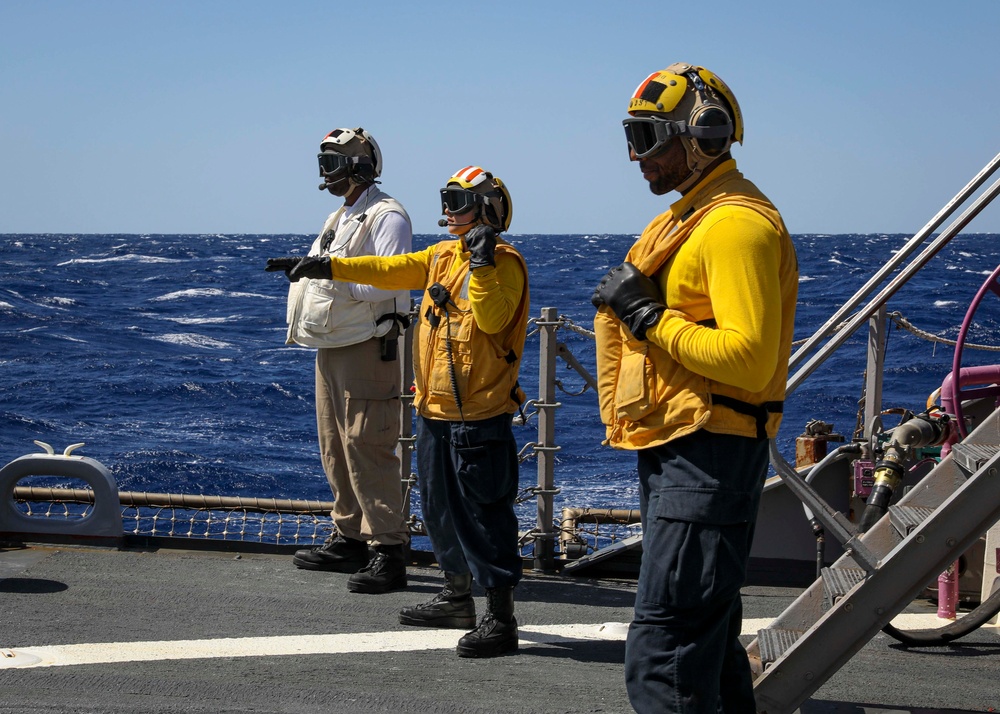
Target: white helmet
[{"x": 358, "y": 143}]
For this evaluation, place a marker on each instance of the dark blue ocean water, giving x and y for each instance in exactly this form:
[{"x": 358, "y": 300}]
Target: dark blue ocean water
[{"x": 165, "y": 354}]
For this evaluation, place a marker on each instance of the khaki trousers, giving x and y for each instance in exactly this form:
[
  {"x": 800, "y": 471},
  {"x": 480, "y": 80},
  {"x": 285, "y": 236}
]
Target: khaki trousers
[{"x": 358, "y": 419}]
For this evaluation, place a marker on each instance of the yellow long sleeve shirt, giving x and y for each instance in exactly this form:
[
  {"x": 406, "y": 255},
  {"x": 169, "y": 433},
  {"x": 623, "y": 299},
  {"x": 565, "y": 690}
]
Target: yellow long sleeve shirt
[
  {"x": 494, "y": 293},
  {"x": 727, "y": 271}
]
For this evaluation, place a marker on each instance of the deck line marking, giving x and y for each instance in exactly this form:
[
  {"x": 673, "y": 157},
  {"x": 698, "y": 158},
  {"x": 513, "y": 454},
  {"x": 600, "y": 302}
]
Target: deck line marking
[{"x": 344, "y": 643}]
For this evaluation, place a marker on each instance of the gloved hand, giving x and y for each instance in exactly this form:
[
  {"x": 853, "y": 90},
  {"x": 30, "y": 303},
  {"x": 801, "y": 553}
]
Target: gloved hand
[
  {"x": 286, "y": 264},
  {"x": 311, "y": 266},
  {"x": 481, "y": 241},
  {"x": 633, "y": 297}
]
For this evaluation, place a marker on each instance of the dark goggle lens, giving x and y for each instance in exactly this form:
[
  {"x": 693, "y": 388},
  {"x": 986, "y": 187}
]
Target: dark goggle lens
[
  {"x": 458, "y": 200},
  {"x": 641, "y": 136},
  {"x": 330, "y": 163}
]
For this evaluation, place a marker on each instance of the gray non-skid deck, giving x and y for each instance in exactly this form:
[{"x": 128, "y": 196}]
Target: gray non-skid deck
[{"x": 61, "y": 595}]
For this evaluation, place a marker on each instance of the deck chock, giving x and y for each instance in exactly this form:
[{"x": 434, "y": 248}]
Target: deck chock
[{"x": 103, "y": 524}]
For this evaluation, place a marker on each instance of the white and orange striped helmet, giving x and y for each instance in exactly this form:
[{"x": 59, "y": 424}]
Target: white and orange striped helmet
[{"x": 474, "y": 187}]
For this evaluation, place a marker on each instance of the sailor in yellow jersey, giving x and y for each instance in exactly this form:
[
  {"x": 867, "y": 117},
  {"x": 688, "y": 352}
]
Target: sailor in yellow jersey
[
  {"x": 694, "y": 331},
  {"x": 467, "y": 350}
]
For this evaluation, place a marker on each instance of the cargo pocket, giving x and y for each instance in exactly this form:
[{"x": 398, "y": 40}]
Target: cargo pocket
[
  {"x": 317, "y": 304},
  {"x": 633, "y": 393},
  {"x": 483, "y": 472},
  {"x": 681, "y": 572},
  {"x": 373, "y": 412}
]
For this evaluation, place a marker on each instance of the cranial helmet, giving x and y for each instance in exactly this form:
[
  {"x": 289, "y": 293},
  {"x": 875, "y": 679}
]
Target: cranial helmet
[
  {"x": 358, "y": 145},
  {"x": 689, "y": 102},
  {"x": 473, "y": 187}
]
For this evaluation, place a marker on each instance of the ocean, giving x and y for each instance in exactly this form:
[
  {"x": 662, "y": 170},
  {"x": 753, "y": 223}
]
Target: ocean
[{"x": 165, "y": 355}]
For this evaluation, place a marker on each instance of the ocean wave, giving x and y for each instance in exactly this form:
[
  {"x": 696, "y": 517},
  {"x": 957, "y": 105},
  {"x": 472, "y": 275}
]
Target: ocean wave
[
  {"x": 211, "y": 292},
  {"x": 60, "y": 301},
  {"x": 200, "y": 320},
  {"x": 190, "y": 339},
  {"x": 130, "y": 258}
]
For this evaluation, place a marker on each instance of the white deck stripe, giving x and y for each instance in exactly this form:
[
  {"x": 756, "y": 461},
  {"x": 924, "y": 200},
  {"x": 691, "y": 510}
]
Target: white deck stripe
[{"x": 355, "y": 642}]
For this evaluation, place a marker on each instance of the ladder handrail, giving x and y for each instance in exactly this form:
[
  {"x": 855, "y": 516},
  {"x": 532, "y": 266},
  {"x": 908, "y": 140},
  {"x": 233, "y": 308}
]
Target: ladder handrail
[
  {"x": 841, "y": 335},
  {"x": 911, "y": 245}
]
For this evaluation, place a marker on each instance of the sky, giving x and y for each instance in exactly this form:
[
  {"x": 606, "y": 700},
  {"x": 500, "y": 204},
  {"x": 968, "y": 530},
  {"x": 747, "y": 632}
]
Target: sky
[{"x": 205, "y": 117}]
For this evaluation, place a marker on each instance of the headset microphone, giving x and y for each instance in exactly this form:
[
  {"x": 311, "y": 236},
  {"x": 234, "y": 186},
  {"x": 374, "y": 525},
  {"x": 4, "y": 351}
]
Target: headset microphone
[
  {"x": 323, "y": 186},
  {"x": 444, "y": 222}
]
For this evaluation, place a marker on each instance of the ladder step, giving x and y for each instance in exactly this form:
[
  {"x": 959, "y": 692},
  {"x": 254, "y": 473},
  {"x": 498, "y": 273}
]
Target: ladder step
[
  {"x": 773, "y": 642},
  {"x": 838, "y": 581},
  {"x": 971, "y": 457},
  {"x": 905, "y": 518}
]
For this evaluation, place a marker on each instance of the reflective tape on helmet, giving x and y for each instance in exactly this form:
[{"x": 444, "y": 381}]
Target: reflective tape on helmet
[{"x": 469, "y": 177}]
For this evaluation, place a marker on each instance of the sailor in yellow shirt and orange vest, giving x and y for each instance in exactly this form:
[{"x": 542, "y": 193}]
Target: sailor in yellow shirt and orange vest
[
  {"x": 467, "y": 349},
  {"x": 694, "y": 332}
]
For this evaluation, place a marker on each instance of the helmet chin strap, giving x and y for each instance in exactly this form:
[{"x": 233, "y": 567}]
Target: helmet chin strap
[{"x": 695, "y": 164}]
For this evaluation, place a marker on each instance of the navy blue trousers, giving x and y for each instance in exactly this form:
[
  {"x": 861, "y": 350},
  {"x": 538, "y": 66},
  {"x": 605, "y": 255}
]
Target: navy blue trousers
[
  {"x": 698, "y": 500},
  {"x": 468, "y": 477}
]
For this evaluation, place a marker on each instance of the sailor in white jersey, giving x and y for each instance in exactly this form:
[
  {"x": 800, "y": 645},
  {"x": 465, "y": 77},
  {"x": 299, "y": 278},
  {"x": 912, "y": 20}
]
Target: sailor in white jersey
[{"x": 355, "y": 329}]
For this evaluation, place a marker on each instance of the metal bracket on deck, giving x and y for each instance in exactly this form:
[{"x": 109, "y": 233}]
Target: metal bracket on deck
[{"x": 103, "y": 522}]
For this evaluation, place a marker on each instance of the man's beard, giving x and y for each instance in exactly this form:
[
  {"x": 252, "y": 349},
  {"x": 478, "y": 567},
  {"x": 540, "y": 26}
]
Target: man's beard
[{"x": 665, "y": 181}]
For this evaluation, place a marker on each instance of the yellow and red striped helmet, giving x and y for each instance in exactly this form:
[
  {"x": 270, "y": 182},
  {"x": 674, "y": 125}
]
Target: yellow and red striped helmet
[{"x": 497, "y": 207}]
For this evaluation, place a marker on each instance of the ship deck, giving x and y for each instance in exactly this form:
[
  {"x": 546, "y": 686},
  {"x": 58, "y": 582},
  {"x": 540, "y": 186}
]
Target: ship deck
[{"x": 89, "y": 629}]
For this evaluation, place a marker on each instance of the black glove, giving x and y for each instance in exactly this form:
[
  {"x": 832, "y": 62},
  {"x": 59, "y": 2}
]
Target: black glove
[
  {"x": 481, "y": 242},
  {"x": 286, "y": 264},
  {"x": 633, "y": 297},
  {"x": 311, "y": 266}
]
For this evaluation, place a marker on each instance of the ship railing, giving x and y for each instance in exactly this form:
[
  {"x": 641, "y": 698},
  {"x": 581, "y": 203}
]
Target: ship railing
[
  {"x": 285, "y": 523},
  {"x": 156, "y": 518}
]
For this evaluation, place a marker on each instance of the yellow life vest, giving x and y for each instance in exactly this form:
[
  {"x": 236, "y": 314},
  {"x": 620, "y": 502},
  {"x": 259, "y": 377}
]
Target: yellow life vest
[
  {"x": 453, "y": 356},
  {"x": 647, "y": 398}
]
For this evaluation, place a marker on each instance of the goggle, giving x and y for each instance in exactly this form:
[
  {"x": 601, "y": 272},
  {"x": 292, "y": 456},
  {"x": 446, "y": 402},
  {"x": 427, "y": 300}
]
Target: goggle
[
  {"x": 648, "y": 135},
  {"x": 331, "y": 162},
  {"x": 459, "y": 200}
]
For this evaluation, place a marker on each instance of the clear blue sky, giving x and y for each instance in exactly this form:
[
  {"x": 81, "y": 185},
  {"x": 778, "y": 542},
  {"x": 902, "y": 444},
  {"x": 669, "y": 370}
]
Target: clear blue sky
[{"x": 202, "y": 117}]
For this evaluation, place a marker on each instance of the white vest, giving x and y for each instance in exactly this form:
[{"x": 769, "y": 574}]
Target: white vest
[{"x": 322, "y": 313}]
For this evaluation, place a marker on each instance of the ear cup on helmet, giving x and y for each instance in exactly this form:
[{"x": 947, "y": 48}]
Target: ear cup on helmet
[{"x": 708, "y": 117}]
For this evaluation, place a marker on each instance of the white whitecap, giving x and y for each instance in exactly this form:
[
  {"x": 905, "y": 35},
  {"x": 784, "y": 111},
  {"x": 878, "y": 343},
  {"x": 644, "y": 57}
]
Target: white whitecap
[
  {"x": 59, "y": 301},
  {"x": 805, "y": 278},
  {"x": 201, "y": 320},
  {"x": 189, "y": 339},
  {"x": 130, "y": 258},
  {"x": 208, "y": 292},
  {"x": 944, "y": 303}
]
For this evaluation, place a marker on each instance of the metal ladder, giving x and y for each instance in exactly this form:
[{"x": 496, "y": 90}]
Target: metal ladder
[{"x": 942, "y": 515}]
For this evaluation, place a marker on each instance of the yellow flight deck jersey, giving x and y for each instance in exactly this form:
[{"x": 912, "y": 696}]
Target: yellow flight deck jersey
[
  {"x": 486, "y": 326},
  {"x": 726, "y": 267}
]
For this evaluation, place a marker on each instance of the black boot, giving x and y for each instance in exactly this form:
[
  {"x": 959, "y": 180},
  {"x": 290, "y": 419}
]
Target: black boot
[
  {"x": 452, "y": 607},
  {"x": 338, "y": 554},
  {"x": 496, "y": 633},
  {"x": 386, "y": 571}
]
